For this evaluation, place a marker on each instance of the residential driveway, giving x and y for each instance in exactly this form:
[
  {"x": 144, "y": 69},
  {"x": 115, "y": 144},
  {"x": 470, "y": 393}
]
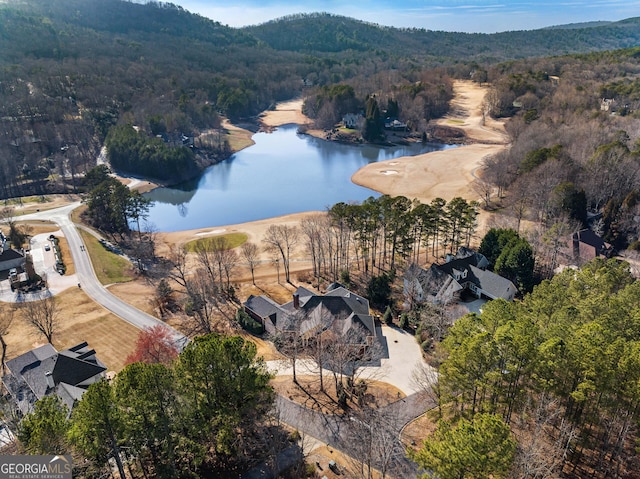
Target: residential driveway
[
  {"x": 401, "y": 357},
  {"x": 44, "y": 263},
  {"x": 404, "y": 357}
]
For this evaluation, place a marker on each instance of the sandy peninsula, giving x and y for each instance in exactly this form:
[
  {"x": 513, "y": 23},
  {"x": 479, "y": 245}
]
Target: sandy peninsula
[{"x": 445, "y": 174}]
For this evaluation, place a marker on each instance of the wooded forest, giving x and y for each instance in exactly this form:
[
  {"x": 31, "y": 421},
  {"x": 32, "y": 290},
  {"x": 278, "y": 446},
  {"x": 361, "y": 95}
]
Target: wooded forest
[
  {"x": 561, "y": 367},
  {"x": 549, "y": 381},
  {"x": 72, "y": 69},
  {"x": 206, "y": 414}
]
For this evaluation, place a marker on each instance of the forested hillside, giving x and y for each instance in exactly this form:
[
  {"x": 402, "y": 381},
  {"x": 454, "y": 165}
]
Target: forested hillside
[
  {"x": 329, "y": 33},
  {"x": 72, "y": 69},
  {"x": 574, "y": 126}
]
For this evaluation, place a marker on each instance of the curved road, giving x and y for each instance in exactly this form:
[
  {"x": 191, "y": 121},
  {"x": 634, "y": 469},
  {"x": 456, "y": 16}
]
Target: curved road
[{"x": 87, "y": 277}]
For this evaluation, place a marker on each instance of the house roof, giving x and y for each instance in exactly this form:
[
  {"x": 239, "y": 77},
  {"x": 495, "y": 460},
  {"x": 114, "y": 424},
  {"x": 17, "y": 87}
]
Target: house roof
[
  {"x": 588, "y": 237},
  {"x": 10, "y": 255},
  {"x": 317, "y": 312},
  {"x": 493, "y": 285},
  {"x": 262, "y": 306},
  {"x": 477, "y": 259},
  {"x": 69, "y": 394},
  {"x": 75, "y": 369},
  {"x": 466, "y": 266},
  {"x": 433, "y": 281}
]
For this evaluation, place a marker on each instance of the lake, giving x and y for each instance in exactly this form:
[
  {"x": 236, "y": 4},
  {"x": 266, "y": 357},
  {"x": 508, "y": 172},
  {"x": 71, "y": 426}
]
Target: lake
[{"x": 284, "y": 172}]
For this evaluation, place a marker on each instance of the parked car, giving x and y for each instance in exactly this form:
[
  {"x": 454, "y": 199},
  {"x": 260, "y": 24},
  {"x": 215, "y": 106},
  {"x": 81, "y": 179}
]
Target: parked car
[{"x": 47, "y": 247}]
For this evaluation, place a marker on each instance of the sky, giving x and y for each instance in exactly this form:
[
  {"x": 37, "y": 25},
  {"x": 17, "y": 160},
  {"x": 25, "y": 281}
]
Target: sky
[{"x": 473, "y": 16}]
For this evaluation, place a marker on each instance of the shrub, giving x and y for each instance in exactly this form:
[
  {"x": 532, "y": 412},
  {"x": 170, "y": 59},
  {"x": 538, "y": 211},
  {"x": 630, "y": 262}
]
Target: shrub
[
  {"x": 248, "y": 323},
  {"x": 404, "y": 321},
  {"x": 388, "y": 316},
  {"x": 345, "y": 278}
]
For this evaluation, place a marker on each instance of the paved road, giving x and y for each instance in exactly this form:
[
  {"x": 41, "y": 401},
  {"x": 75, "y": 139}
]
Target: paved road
[
  {"x": 87, "y": 277},
  {"x": 333, "y": 430}
]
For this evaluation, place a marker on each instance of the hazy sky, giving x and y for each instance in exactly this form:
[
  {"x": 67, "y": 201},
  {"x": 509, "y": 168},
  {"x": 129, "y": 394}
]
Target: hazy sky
[{"x": 486, "y": 16}]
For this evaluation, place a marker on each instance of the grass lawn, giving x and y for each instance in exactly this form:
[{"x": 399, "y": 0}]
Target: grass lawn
[
  {"x": 233, "y": 240},
  {"x": 25, "y": 199},
  {"x": 109, "y": 267},
  {"x": 80, "y": 319},
  {"x": 29, "y": 204},
  {"x": 239, "y": 139}
]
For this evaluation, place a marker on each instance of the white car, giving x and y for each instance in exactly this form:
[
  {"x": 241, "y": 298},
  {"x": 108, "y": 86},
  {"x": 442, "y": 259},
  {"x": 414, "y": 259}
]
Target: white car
[{"x": 47, "y": 247}]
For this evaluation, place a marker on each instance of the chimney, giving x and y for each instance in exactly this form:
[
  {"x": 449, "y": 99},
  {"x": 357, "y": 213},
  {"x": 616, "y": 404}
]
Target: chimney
[
  {"x": 296, "y": 300},
  {"x": 49, "y": 377}
]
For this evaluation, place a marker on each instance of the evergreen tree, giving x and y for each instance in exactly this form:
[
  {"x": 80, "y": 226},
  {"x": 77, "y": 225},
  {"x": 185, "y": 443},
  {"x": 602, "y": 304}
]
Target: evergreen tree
[
  {"x": 44, "y": 430},
  {"x": 471, "y": 449},
  {"x": 373, "y": 124}
]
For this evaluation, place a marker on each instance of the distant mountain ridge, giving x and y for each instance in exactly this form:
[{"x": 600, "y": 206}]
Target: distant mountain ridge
[
  {"x": 70, "y": 70},
  {"x": 331, "y": 33},
  {"x": 323, "y": 32}
]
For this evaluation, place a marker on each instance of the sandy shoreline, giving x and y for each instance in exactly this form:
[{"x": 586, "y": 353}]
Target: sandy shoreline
[{"x": 445, "y": 174}]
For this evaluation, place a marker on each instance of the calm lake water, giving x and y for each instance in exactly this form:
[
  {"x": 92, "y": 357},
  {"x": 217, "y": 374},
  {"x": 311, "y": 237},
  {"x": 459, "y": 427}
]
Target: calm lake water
[{"x": 283, "y": 173}]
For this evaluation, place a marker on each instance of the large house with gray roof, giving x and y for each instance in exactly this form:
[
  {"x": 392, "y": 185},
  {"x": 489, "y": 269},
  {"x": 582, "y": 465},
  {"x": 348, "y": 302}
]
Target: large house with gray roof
[
  {"x": 339, "y": 311},
  {"x": 44, "y": 371},
  {"x": 466, "y": 271}
]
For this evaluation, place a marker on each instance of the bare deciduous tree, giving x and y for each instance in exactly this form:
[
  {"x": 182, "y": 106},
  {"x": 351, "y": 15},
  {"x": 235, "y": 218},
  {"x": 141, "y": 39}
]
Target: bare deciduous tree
[
  {"x": 42, "y": 314},
  {"x": 313, "y": 229},
  {"x": 204, "y": 304},
  {"x": 250, "y": 253},
  {"x": 178, "y": 259},
  {"x": 288, "y": 339},
  {"x": 484, "y": 189},
  {"x": 538, "y": 454},
  {"x": 425, "y": 378},
  {"x": 281, "y": 239},
  {"x": 373, "y": 444}
]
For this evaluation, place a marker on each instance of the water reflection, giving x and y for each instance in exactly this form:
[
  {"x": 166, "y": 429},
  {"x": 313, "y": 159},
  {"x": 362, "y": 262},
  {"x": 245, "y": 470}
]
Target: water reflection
[{"x": 284, "y": 172}]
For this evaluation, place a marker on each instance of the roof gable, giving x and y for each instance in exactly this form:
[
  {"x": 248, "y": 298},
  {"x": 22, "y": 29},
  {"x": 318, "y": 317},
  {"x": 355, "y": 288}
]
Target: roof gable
[
  {"x": 41, "y": 371},
  {"x": 313, "y": 313},
  {"x": 10, "y": 255},
  {"x": 492, "y": 284},
  {"x": 30, "y": 359}
]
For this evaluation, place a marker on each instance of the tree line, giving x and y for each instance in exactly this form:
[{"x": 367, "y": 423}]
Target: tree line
[
  {"x": 134, "y": 152},
  {"x": 381, "y": 231},
  {"x": 205, "y": 414},
  {"x": 560, "y": 367},
  {"x": 573, "y": 157},
  {"x": 411, "y": 97},
  {"x": 65, "y": 79},
  {"x": 117, "y": 211}
]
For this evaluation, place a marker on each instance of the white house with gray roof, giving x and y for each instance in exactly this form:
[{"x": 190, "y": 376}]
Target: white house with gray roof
[{"x": 10, "y": 258}]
